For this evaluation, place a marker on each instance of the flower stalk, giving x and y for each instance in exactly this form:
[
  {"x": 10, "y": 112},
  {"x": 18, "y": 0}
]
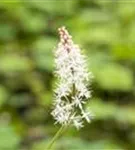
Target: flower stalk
[{"x": 56, "y": 136}]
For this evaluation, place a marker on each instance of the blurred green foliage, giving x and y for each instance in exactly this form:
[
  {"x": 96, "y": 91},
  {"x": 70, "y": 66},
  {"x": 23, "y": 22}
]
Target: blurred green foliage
[{"x": 28, "y": 37}]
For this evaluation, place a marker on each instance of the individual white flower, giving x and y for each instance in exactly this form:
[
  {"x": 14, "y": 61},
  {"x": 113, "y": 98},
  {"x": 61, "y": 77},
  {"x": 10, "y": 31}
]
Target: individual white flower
[
  {"x": 77, "y": 122},
  {"x": 72, "y": 88}
]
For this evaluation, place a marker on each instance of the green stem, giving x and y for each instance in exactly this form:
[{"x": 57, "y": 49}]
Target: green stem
[{"x": 56, "y": 136}]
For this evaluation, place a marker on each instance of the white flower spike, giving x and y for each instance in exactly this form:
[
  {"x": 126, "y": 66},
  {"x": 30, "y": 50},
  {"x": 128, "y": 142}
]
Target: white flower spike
[{"x": 72, "y": 91}]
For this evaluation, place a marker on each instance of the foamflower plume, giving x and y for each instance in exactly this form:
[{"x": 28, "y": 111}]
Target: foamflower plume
[{"x": 72, "y": 90}]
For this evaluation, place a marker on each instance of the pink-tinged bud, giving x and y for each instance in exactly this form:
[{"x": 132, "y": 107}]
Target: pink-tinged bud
[{"x": 65, "y": 38}]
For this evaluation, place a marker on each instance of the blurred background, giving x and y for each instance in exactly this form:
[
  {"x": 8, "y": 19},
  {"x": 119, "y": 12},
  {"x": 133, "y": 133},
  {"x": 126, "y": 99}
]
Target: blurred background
[{"x": 105, "y": 29}]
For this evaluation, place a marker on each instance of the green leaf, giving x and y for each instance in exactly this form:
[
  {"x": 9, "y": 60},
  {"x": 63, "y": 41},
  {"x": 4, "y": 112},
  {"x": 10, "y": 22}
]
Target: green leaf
[
  {"x": 55, "y": 6},
  {"x": 9, "y": 140},
  {"x": 123, "y": 51},
  {"x": 114, "y": 77},
  {"x": 32, "y": 23},
  {"x": 108, "y": 110},
  {"x": 3, "y": 95},
  {"x": 79, "y": 144},
  {"x": 14, "y": 63},
  {"x": 7, "y": 32},
  {"x": 43, "y": 53}
]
